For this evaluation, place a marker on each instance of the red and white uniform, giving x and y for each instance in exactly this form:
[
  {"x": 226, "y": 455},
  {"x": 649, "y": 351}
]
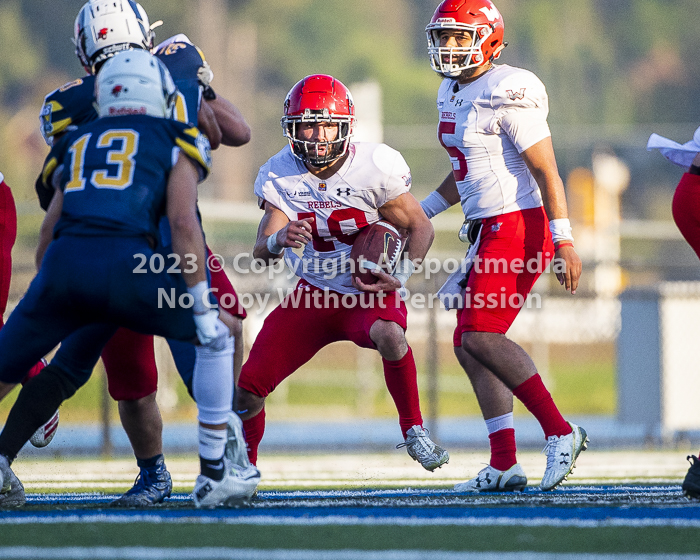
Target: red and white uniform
[
  {"x": 372, "y": 175},
  {"x": 485, "y": 125}
]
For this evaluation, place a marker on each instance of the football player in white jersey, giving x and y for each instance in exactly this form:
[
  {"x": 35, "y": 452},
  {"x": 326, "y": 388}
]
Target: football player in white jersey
[
  {"x": 493, "y": 124},
  {"x": 318, "y": 192}
]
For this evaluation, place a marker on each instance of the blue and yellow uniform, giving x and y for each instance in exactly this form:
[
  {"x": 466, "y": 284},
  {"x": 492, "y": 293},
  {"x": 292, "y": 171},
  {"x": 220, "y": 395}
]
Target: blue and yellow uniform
[
  {"x": 183, "y": 60},
  {"x": 114, "y": 179},
  {"x": 73, "y": 104}
]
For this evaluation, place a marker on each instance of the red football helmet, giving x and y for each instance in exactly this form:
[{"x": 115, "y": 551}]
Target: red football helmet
[
  {"x": 481, "y": 20},
  {"x": 319, "y": 98}
]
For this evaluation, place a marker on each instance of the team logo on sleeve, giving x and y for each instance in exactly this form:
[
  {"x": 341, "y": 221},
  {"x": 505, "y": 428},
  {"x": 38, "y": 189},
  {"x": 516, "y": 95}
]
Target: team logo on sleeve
[
  {"x": 515, "y": 95},
  {"x": 204, "y": 148},
  {"x": 408, "y": 180},
  {"x": 46, "y": 123}
]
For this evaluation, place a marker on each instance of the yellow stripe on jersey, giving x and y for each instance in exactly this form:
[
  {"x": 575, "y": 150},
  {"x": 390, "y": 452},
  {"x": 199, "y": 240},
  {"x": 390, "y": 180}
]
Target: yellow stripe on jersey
[
  {"x": 59, "y": 126},
  {"x": 180, "y": 111},
  {"x": 193, "y": 131},
  {"x": 194, "y": 153},
  {"x": 48, "y": 170}
]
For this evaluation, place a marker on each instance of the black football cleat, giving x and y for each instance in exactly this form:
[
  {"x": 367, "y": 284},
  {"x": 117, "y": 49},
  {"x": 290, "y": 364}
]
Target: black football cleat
[{"x": 691, "y": 484}]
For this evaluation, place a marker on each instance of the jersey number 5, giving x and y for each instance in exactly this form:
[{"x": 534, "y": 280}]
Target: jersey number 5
[
  {"x": 459, "y": 161},
  {"x": 122, "y": 157}
]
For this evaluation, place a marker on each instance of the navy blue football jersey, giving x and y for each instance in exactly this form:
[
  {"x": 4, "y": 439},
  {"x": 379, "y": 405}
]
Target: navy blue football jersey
[
  {"x": 183, "y": 59},
  {"x": 115, "y": 173},
  {"x": 73, "y": 104}
]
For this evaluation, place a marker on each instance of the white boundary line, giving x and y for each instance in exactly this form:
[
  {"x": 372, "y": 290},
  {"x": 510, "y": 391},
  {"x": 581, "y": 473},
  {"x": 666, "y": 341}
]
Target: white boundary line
[
  {"x": 147, "y": 553},
  {"x": 271, "y": 520}
]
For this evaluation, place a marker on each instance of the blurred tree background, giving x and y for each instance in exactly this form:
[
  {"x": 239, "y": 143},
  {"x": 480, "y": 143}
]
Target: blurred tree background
[{"x": 615, "y": 70}]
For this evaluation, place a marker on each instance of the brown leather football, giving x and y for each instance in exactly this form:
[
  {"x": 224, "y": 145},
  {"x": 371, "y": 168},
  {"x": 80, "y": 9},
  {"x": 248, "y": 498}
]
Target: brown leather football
[{"x": 379, "y": 245}]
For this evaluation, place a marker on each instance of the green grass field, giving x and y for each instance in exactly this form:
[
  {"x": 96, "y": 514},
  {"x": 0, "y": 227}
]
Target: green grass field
[{"x": 161, "y": 536}]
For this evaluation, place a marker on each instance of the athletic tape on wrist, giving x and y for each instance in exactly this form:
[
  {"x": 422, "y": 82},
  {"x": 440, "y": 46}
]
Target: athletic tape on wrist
[
  {"x": 433, "y": 204},
  {"x": 272, "y": 245},
  {"x": 561, "y": 230}
]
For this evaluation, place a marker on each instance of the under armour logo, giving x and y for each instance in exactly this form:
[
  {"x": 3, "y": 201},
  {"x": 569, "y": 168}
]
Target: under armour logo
[
  {"x": 496, "y": 226},
  {"x": 459, "y": 102},
  {"x": 343, "y": 192},
  {"x": 203, "y": 491},
  {"x": 514, "y": 95},
  {"x": 480, "y": 480},
  {"x": 564, "y": 459}
]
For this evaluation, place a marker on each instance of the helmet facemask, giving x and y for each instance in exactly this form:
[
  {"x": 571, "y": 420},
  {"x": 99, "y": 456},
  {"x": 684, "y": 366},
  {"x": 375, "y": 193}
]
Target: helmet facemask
[
  {"x": 309, "y": 151},
  {"x": 451, "y": 62}
]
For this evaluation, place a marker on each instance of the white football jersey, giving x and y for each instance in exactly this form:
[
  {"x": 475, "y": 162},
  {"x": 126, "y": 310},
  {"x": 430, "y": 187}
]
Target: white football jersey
[
  {"x": 484, "y": 126},
  {"x": 341, "y": 205}
]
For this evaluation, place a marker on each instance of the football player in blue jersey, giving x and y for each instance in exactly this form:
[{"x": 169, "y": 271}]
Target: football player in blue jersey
[
  {"x": 114, "y": 180},
  {"x": 102, "y": 29}
]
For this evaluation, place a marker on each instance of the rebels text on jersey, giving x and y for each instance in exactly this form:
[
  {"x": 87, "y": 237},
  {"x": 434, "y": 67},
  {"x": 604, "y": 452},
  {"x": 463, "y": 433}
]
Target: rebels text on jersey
[
  {"x": 485, "y": 125},
  {"x": 114, "y": 173},
  {"x": 341, "y": 205}
]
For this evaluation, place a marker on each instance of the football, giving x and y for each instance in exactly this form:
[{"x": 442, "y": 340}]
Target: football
[{"x": 378, "y": 245}]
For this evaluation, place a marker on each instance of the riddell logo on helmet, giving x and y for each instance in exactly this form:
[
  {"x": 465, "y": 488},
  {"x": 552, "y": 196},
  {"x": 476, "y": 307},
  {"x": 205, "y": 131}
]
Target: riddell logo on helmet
[
  {"x": 445, "y": 20},
  {"x": 116, "y": 111}
]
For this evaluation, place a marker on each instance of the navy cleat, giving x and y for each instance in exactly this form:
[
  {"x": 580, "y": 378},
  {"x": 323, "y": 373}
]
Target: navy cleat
[
  {"x": 691, "y": 484},
  {"x": 151, "y": 487}
]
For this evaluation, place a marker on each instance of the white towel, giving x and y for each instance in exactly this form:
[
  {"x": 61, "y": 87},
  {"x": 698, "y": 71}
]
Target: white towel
[
  {"x": 680, "y": 154},
  {"x": 451, "y": 294}
]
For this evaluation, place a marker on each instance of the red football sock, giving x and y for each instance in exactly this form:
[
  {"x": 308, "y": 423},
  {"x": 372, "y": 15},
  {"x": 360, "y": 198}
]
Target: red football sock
[
  {"x": 254, "y": 429},
  {"x": 534, "y": 395},
  {"x": 402, "y": 382},
  {"x": 503, "y": 449},
  {"x": 8, "y": 234},
  {"x": 41, "y": 364}
]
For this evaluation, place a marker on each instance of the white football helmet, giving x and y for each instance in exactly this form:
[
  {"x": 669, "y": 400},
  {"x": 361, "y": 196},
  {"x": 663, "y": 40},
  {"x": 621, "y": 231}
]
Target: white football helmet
[
  {"x": 106, "y": 27},
  {"x": 134, "y": 83}
]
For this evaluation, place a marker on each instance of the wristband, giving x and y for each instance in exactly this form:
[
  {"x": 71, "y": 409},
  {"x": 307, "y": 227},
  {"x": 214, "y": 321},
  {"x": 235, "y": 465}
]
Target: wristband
[
  {"x": 403, "y": 271},
  {"x": 433, "y": 204},
  {"x": 694, "y": 170},
  {"x": 561, "y": 244},
  {"x": 200, "y": 294},
  {"x": 272, "y": 245},
  {"x": 561, "y": 230}
]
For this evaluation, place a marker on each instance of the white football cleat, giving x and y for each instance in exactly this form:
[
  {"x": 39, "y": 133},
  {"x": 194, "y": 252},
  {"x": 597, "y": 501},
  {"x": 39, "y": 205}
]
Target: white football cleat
[
  {"x": 562, "y": 452},
  {"x": 422, "y": 449},
  {"x": 234, "y": 490},
  {"x": 43, "y": 436},
  {"x": 11, "y": 489},
  {"x": 493, "y": 480}
]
